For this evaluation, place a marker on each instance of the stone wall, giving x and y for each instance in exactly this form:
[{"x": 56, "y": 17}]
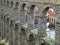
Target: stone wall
[{"x": 18, "y": 17}]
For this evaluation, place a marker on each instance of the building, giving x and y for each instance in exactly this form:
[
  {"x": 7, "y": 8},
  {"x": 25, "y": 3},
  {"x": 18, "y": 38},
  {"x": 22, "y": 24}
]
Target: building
[{"x": 18, "y": 20}]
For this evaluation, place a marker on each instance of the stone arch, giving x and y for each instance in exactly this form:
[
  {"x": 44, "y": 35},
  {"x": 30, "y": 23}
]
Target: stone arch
[
  {"x": 11, "y": 22},
  {"x": 22, "y": 36},
  {"x": 7, "y": 2},
  {"x": 16, "y": 5},
  {"x": 11, "y": 3},
  {"x": 49, "y": 13},
  {"x": 31, "y": 40},
  {"x": 32, "y": 8},
  {"x": 16, "y": 27},
  {"x": 50, "y": 16},
  {"x": 23, "y": 31},
  {"x": 23, "y": 6},
  {"x": 31, "y": 37},
  {"x": 45, "y": 10},
  {"x": 35, "y": 12}
]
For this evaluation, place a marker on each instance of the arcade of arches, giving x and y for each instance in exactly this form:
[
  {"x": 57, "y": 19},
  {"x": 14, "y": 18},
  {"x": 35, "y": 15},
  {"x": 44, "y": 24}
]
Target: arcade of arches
[{"x": 48, "y": 12}]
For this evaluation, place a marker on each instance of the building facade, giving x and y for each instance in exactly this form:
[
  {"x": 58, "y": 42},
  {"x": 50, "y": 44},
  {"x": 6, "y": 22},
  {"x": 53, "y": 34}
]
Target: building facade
[{"x": 17, "y": 17}]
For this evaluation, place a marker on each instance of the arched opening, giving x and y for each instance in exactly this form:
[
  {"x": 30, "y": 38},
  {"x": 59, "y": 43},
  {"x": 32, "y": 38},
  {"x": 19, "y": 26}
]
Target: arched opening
[
  {"x": 23, "y": 6},
  {"x": 31, "y": 40},
  {"x": 7, "y": 3},
  {"x": 16, "y": 27},
  {"x": 16, "y": 5},
  {"x": 7, "y": 19},
  {"x": 45, "y": 10},
  {"x": 32, "y": 9},
  {"x": 49, "y": 13},
  {"x": 23, "y": 36},
  {"x": 31, "y": 37},
  {"x": 11, "y": 3},
  {"x": 11, "y": 23}
]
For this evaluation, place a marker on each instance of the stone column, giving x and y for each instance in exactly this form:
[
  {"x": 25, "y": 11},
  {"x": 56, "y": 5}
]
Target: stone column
[
  {"x": 5, "y": 26},
  {"x": 8, "y": 28},
  {"x": 19, "y": 30},
  {"x": 11, "y": 31},
  {"x": 42, "y": 28},
  {"x": 16, "y": 33}
]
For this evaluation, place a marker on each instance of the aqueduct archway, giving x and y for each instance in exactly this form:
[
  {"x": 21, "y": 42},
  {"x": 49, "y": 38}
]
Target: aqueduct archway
[
  {"x": 23, "y": 36},
  {"x": 31, "y": 40},
  {"x": 50, "y": 15}
]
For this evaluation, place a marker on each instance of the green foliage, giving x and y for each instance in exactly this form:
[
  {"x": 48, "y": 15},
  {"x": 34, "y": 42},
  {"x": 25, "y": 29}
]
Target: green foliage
[{"x": 49, "y": 40}]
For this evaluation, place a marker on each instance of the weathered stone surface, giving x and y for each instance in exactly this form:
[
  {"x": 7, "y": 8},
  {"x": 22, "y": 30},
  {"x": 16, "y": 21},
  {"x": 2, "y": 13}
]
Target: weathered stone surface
[{"x": 20, "y": 15}]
